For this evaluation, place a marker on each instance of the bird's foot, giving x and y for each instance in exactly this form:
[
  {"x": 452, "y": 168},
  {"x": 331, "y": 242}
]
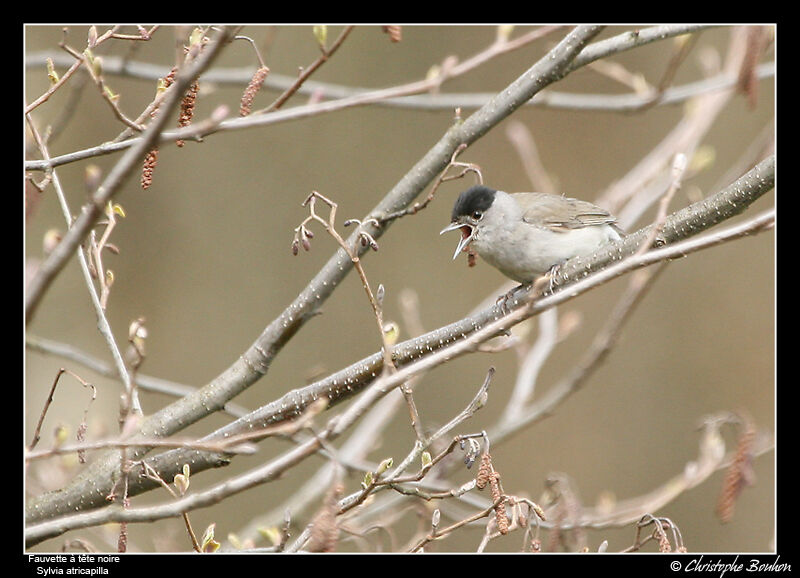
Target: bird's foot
[{"x": 503, "y": 300}]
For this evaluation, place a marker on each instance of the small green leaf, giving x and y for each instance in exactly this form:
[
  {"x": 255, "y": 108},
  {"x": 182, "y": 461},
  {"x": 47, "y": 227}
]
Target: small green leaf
[
  {"x": 504, "y": 32},
  {"x": 60, "y": 434},
  {"x": 426, "y": 459},
  {"x": 52, "y": 75},
  {"x": 384, "y": 465},
  {"x": 118, "y": 210},
  {"x": 209, "y": 544},
  {"x": 110, "y": 94},
  {"x": 196, "y": 36},
  {"x": 367, "y": 482},
  {"x": 181, "y": 483},
  {"x": 321, "y": 34},
  {"x": 391, "y": 332},
  {"x": 272, "y": 534},
  {"x": 235, "y": 541}
]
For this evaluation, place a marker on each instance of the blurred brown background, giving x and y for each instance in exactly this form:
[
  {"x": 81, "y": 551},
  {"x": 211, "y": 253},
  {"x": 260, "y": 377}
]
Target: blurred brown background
[{"x": 205, "y": 258}]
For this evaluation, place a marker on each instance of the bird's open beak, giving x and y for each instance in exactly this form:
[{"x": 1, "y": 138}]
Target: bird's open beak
[{"x": 467, "y": 234}]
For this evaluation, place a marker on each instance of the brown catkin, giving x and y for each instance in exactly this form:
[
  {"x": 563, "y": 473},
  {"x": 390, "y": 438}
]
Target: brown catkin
[
  {"x": 81, "y": 436},
  {"x": 170, "y": 77},
  {"x": 251, "y": 90},
  {"x": 150, "y": 161},
  {"x": 484, "y": 471},
  {"x": 738, "y": 474},
  {"x": 501, "y": 516},
  {"x": 122, "y": 540},
  {"x": 663, "y": 542},
  {"x": 187, "y": 109},
  {"x": 324, "y": 529},
  {"x": 394, "y": 31},
  {"x": 757, "y": 38},
  {"x": 494, "y": 486},
  {"x": 324, "y": 532},
  {"x": 539, "y": 512}
]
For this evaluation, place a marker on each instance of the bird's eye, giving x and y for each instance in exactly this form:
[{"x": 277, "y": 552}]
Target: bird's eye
[{"x": 477, "y": 215}]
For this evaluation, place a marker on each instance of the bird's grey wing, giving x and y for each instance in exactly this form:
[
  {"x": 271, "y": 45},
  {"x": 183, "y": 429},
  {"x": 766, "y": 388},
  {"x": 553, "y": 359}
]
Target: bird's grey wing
[{"x": 561, "y": 213}]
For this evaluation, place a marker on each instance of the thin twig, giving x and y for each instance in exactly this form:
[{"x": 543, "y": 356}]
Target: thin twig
[
  {"x": 393, "y": 478},
  {"x": 302, "y": 236},
  {"x": 234, "y": 446},
  {"x": 307, "y": 72},
  {"x": 678, "y": 167},
  {"x": 685, "y": 45},
  {"x": 443, "y": 177},
  {"x": 102, "y": 322},
  {"x": 142, "y": 381},
  {"x": 80, "y": 59},
  {"x": 49, "y": 400},
  {"x": 151, "y": 474},
  {"x": 439, "y": 534}
]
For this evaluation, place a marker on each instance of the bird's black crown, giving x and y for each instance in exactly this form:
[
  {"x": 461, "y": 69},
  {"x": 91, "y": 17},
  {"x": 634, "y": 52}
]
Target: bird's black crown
[{"x": 477, "y": 198}]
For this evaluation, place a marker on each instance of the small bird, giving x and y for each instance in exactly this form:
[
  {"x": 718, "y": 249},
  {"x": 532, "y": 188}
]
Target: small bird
[{"x": 525, "y": 235}]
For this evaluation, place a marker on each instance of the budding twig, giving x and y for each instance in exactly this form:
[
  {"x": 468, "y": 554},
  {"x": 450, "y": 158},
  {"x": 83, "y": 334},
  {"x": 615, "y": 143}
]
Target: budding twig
[
  {"x": 443, "y": 177},
  {"x": 303, "y": 236}
]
